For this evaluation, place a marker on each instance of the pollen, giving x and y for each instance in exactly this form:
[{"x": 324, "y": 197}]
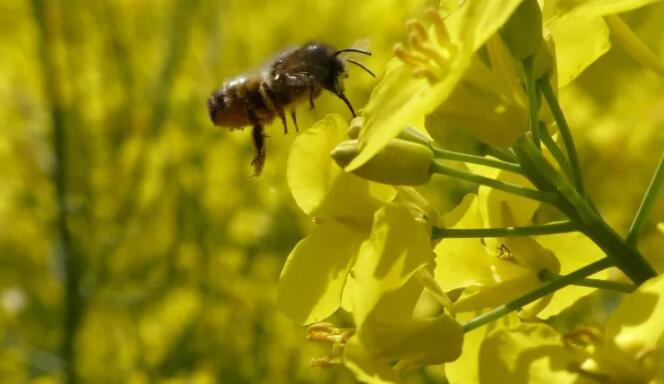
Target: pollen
[{"x": 428, "y": 50}]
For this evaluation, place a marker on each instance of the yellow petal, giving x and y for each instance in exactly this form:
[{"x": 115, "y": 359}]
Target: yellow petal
[
  {"x": 574, "y": 250},
  {"x": 637, "y": 325},
  {"x": 466, "y": 368},
  {"x": 600, "y": 7},
  {"x": 396, "y": 249},
  {"x": 365, "y": 367},
  {"x": 319, "y": 186},
  {"x": 310, "y": 171},
  {"x": 466, "y": 262},
  {"x": 313, "y": 277},
  {"x": 527, "y": 353},
  {"x": 401, "y": 99},
  {"x": 579, "y": 41}
]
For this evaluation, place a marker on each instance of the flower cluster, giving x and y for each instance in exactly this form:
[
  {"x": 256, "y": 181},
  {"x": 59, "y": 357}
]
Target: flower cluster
[{"x": 392, "y": 283}]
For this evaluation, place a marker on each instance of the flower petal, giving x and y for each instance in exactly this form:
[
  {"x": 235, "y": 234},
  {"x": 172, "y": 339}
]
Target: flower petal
[
  {"x": 527, "y": 353},
  {"x": 401, "y": 99},
  {"x": 580, "y": 40},
  {"x": 319, "y": 186},
  {"x": 313, "y": 277},
  {"x": 638, "y": 324}
]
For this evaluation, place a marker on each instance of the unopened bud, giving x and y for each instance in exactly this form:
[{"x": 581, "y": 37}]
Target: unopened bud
[
  {"x": 414, "y": 135},
  {"x": 354, "y": 129},
  {"x": 543, "y": 63},
  {"x": 400, "y": 162},
  {"x": 523, "y": 30}
]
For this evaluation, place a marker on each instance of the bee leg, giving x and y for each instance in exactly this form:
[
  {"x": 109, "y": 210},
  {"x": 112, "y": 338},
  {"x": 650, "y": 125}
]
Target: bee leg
[
  {"x": 283, "y": 120},
  {"x": 311, "y": 97},
  {"x": 294, "y": 118},
  {"x": 258, "y": 134}
]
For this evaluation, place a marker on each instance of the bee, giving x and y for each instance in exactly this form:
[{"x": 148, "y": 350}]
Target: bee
[{"x": 290, "y": 78}]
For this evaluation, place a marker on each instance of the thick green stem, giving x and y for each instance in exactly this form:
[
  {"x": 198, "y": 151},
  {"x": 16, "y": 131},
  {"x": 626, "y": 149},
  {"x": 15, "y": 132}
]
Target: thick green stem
[
  {"x": 533, "y": 106},
  {"x": 565, "y": 132},
  {"x": 537, "y": 294},
  {"x": 647, "y": 203},
  {"x": 507, "y": 187},
  {"x": 532, "y": 230},
  {"x": 444, "y": 154},
  {"x": 588, "y": 220}
]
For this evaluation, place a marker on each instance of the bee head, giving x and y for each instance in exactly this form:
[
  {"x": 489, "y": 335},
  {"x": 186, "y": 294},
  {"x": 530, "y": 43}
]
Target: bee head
[{"x": 329, "y": 67}]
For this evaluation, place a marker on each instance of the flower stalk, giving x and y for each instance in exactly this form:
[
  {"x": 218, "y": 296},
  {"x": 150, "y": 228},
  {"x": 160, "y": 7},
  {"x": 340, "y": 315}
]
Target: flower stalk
[
  {"x": 531, "y": 230},
  {"x": 537, "y": 294}
]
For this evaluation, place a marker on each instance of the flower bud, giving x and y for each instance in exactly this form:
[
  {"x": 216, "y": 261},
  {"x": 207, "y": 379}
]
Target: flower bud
[
  {"x": 354, "y": 129},
  {"x": 523, "y": 31},
  {"x": 543, "y": 63},
  {"x": 401, "y": 162},
  {"x": 415, "y": 136}
]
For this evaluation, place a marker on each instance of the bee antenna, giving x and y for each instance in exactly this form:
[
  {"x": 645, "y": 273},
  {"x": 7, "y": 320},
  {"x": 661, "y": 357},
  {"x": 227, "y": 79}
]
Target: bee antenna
[
  {"x": 361, "y": 66},
  {"x": 356, "y": 50}
]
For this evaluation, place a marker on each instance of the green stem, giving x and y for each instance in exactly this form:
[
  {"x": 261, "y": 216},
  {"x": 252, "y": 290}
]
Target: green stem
[
  {"x": 444, "y": 154},
  {"x": 580, "y": 211},
  {"x": 507, "y": 187},
  {"x": 556, "y": 152},
  {"x": 647, "y": 203},
  {"x": 500, "y": 154},
  {"x": 565, "y": 132},
  {"x": 544, "y": 290},
  {"x": 532, "y": 230},
  {"x": 73, "y": 301},
  {"x": 533, "y": 106},
  {"x": 592, "y": 283}
]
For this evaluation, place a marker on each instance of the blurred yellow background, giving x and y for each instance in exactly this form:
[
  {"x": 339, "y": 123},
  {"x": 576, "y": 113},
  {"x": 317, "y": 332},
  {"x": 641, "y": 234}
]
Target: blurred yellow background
[
  {"x": 134, "y": 245},
  {"x": 168, "y": 266}
]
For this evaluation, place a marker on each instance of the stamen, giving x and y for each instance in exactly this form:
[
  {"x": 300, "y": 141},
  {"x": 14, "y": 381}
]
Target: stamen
[
  {"x": 438, "y": 25},
  {"x": 428, "y": 52},
  {"x": 417, "y": 27}
]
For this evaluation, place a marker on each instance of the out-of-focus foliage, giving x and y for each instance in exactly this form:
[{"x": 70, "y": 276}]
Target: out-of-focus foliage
[{"x": 168, "y": 268}]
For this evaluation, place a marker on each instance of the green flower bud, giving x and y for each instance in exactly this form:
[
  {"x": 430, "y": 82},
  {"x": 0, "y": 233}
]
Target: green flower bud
[
  {"x": 354, "y": 129},
  {"x": 401, "y": 162},
  {"x": 544, "y": 61},
  {"x": 415, "y": 136},
  {"x": 523, "y": 31}
]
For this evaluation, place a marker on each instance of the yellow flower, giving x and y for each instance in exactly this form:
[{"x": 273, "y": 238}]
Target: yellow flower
[
  {"x": 427, "y": 71},
  {"x": 497, "y": 270},
  {"x": 385, "y": 296},
  {"x": 580, "y": 31},
  {"x": 629, "y": 348},
  {"x": 314, "y": 275}
]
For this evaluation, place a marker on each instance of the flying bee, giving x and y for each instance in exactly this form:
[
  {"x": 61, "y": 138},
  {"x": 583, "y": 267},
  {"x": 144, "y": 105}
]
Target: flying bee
[{"x": 291, "y": 77}]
